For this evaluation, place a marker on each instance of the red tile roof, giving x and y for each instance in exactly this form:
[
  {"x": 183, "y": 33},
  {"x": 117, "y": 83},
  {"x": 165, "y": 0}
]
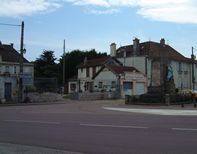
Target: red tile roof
[
  {"x": 94, "y": 62},
  {"x": 9, "y": 54},
  {"x": 153, "y": 50},
  {"x": 117, "y": 69}
]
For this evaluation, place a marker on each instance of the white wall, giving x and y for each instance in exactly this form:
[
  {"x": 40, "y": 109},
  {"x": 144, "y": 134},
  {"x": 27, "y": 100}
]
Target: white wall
[{"x": 106, "y": 77}]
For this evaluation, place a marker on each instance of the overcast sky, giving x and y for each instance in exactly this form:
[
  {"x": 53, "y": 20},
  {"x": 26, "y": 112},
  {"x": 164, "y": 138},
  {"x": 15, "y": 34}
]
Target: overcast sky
[{"x": 88, "y": 24}]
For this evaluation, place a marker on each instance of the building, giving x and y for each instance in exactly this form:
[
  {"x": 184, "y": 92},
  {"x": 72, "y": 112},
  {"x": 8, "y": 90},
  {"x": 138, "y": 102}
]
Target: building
[
  {"x": 10, "y": 73},
  {"x": 108, "y": 74},
  {"x": 88, "y": 69},
  {"x": 120, "y": 79},
  {"x": 137, "y": 69},
  {"x": 157, "y": 61}
]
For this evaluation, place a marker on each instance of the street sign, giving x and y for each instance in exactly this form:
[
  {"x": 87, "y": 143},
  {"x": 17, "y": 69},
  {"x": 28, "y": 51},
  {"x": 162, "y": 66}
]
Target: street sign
[{"x": 27, "y": 79}]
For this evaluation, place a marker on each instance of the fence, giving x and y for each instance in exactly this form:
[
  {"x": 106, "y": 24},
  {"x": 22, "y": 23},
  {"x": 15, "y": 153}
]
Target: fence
[{"x": 46, "y": 84}]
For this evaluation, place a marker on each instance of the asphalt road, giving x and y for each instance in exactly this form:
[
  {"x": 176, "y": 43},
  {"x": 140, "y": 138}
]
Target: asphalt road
[{"x": 86, "y": 127}]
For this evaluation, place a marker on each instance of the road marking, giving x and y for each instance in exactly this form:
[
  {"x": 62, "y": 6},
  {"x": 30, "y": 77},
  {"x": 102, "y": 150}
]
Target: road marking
[
  {"x": 28, "y": 121},
  {"x": 185, "y": 129},
  {"x": 171, "y": 112},
  {"x": 113, "y": 126}
]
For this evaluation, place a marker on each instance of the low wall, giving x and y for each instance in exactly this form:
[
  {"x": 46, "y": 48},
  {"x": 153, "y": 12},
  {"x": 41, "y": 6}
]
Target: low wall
[{"x": 94, "y": 96}]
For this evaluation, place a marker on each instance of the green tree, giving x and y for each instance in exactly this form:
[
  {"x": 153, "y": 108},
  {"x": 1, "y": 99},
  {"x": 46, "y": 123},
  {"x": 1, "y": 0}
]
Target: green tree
[
  {"x": 45, "y": 65},
  {"x": 76, "y": 57}
]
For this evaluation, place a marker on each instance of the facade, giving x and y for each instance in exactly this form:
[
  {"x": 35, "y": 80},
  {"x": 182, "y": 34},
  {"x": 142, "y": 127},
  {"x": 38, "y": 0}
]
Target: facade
[
  {"x": 155, "y": 59},
  {"x": 10, "y": 73},
  {"x": 107, "y": 74},
  {"x": 88, "y": 69},
  {"x": 138, "y": 68},
  {"x": 120, "y": 79}
]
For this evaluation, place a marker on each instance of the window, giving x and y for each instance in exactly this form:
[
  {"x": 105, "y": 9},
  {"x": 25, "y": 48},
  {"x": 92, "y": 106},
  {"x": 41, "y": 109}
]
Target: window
[
  {"x": 180, "y": 67},
  {"x": 100, "y": 85},
  {"x": 87, "y": 72},
  {"x": 14, "y": 69},
  {"x": 72, "y": 87},
  {"x": 94, "y": 71},
  {"x": 113, "y": 84},
  {"x": 7, "y": 69}
]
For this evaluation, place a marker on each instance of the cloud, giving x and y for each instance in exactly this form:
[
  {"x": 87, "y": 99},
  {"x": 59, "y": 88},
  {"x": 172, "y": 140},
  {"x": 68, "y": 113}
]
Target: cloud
[
  {"x": 15, "y": 8},
  {"x": 107, "y": 11},
  {"x": 178, "y": 11}
]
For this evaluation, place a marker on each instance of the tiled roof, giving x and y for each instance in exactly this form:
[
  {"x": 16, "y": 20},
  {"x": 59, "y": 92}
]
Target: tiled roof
[
  {"x": 9, "y": 54},
  {"x": 153, "y": 50},
  {"x": 94, "y": 62},
  {"x": 117, "y": 69}
]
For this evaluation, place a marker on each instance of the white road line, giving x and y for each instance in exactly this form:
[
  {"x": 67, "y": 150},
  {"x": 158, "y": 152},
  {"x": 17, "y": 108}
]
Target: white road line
[
  {"x": 156, "y": 111},
  {"x": 185, "y": 129},
  {"x": 28, "y": 121},
  {"x": 113, "y": 126}
]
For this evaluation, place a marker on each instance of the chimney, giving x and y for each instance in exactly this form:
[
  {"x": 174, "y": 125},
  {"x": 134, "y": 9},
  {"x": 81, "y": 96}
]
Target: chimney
[
  {"x": 85, "y": 61},
  {"x": 113, "y": 50},
  {"x": 136, "y": 43},
  {"x": 162, "y": 41},
  {"x": 12, "y": 45}
]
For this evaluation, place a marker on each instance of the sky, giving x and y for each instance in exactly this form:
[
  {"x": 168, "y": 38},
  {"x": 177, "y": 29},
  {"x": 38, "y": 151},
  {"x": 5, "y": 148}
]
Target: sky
[{"x": 95, "y": 24}]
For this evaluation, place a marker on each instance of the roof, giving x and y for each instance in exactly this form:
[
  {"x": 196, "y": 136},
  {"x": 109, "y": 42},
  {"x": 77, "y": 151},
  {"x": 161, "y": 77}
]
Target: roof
[
  {"x": 9, "y": 54},
  {"x": 93, "y": 62},
  {"x": 117, "y": 69},
  {"x": 121, "y": 69},
  {"x": 153, "y": 50}
]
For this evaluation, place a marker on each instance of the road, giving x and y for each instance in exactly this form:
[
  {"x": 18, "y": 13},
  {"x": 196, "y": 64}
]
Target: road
[{"x": 86, "y": 127}]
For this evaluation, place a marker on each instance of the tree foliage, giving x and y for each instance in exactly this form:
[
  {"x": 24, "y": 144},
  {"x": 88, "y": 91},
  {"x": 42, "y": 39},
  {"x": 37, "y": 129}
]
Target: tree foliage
[{"x": 45, "y": 65}]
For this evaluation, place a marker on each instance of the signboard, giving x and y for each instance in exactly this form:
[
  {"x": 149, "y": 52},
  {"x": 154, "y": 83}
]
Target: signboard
[
  {"x": 137, "y": 77},
  {"x": 27, "y": 79}
]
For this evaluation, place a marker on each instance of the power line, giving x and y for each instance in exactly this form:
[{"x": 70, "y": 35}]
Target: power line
[{"x": 5, "y": 24}]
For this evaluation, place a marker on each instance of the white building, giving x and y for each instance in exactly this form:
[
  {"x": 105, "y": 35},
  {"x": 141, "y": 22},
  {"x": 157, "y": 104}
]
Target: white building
[
  {"x": 153, "y": 59},
  {"x": 9, "y": 73},
  {"x": 153, "y": 65}
]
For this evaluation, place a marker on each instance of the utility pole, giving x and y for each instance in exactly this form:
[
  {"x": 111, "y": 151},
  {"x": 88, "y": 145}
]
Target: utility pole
[
  {"x": 193, "y": 78},
  {"x": 63, "y": 67},
  {"x": 21, "y": 64}
]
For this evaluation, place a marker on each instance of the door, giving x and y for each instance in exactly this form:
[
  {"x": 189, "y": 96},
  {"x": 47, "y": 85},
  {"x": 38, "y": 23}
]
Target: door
[
  {"x": 128, "y": 88},
  {"x": 8, "y": 91},
  {"x": 140, "y": 89}
]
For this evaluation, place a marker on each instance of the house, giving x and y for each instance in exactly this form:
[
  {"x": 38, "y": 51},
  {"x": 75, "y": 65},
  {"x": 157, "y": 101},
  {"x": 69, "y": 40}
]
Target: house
[
  {"x": 10, "y": 73},
  {"x": 155, "y": 59},
  {"x": 137, "y": 69},
  {"x": 88, "y": 69},
  {"x": 107, "y": 74},
  {"x": 120, "y": 79}
]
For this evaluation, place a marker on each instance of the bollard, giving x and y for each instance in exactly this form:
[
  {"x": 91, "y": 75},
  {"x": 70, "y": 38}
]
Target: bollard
[{"x": 182, "y": 104}]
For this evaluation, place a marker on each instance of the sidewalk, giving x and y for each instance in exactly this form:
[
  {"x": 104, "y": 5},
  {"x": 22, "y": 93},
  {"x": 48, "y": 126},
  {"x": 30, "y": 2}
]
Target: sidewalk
[{"x": 7, "y": 148}]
